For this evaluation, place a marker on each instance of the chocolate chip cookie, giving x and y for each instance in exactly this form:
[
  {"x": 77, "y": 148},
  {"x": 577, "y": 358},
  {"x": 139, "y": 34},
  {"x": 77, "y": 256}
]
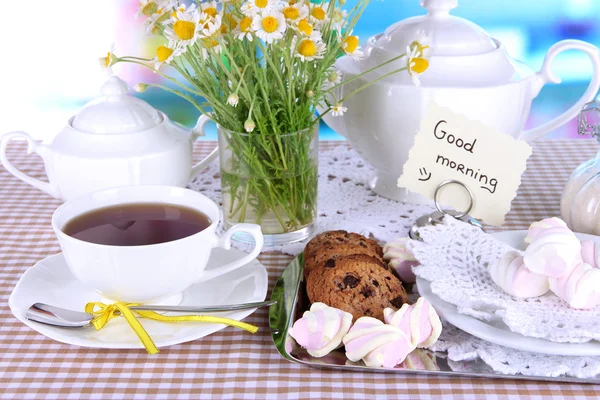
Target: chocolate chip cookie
[
  {"x": 358, "y": 284},
  {"x": 330, "y": 245}
]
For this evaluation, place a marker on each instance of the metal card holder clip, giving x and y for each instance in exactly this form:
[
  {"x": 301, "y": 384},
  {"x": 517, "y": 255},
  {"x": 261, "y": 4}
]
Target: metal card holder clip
[{"x": 437, "y": 217}]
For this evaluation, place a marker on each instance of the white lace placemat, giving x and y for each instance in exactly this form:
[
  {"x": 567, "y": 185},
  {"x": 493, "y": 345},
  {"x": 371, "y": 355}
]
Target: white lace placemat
[
  {"x": 455, "y": 256},
  {"x": 460, "y": 347},
  {"x": 345, "y": 200}
]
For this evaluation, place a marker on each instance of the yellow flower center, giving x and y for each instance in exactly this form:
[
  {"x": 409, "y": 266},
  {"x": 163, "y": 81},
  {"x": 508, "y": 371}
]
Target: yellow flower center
[
  {"x": 332, "y": 76},
  {"x": 307, "y": 48},
  {"x": 418, "y": 65},
  {"x": 107, "y": 59},
  {"x": 351, "y": 44},
  {"x": 420, "y": 48},
  {"x": 261, "y": 3},
  {"x": 163, "y": 53},
  {"x": 318, "y": 13},
  {"x": 229, "y": 21},
  {"x": 184, "y": 30},
  {"x": 245, "y": 24},
  {"x": 269, "y": 24},
  {"x": 208, "y": 42},
  {"x": 210, "y": 11},
  {"x": 149, "y": 9},
  {"x": 305, "y": 27},
  {"x": 291, "y": 12},
  {"x": 292, "y": 2}
]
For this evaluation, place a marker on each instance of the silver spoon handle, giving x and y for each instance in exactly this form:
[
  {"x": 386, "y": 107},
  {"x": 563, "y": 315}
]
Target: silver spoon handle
[{"x": 233, "y": 307}]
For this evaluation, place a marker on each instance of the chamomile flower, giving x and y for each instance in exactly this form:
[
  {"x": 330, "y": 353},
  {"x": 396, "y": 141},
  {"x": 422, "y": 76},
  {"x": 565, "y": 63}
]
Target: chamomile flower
[
  {"x": 229, "y": 23},
  {"x": 243, "y": 30},
  {"x": 306, "y": 29},
  {"x": 249, "y": 125},
  {"x": 318, "y": 14},
  {"x": 110, "y": 58},
  {"x": 252, "y": 7},
  {"x": 416, "y": 62},
  {"x": 308, "y": 49},
  {"x": 294, "y": 12},
  {"x": 209, "y": 8},
  {"x": 165, "y": 54},
  {"x": 338, "y": 110},
  {"x": 338, "y": 19},
  {"x": 149, "y": 7},
  {"x": 185, "y": 26},
  {"x": 233, "y": 99},
  {"x": 269, "y": 25},
  {"x": 351, "y": 47},
  {"x": 153, "y": 23},
  {"x": 211, "y": 26},
  {"x": 333, "y": 77},
  {"x": 421, "y": 43},
  {"x": 210, "y": 44},
  {"x": 140, "y": 87}
]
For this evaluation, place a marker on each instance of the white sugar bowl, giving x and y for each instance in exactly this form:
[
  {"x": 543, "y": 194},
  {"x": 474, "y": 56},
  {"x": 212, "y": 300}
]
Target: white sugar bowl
[
  {"x": 469, "y": 72},
  {"x": 115, "y": 140}
]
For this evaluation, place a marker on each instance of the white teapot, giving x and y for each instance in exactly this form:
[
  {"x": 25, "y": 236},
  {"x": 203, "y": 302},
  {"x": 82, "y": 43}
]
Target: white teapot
[
  {"x": 470, "y": 73},
  {"x": 115, "y": 140}
]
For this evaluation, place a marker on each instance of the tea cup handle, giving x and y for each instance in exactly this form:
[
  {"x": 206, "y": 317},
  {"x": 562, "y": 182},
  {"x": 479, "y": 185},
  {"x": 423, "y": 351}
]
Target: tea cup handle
[
  {"x": 32, "y": 146},
  {"x": 225, "y": 242},
  {"x": 197, "y": 132}
]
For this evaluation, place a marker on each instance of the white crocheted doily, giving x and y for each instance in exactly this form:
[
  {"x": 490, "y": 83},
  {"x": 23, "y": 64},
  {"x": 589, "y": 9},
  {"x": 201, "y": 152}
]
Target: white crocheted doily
[
  {"x": 454, "y": 257},
  {"x": 486, "y": 357},
  {"x": 345, "y": 200}
]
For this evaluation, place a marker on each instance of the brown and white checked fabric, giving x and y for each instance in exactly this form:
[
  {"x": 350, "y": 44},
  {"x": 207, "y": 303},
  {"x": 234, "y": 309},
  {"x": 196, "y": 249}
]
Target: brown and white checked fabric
[{"x": 229, "y": 363}]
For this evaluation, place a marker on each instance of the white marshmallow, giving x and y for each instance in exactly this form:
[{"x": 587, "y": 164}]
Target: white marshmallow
[
  {"x": 553, "y": 252},
  {"x": 511, "y": 275},
  {"x": 539, "y": 226},
  {"x": 580, "y": 288}
]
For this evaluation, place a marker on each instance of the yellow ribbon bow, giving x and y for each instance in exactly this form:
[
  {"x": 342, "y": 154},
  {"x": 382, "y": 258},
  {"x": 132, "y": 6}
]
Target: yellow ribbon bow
[{"x": 107, "y": 312}]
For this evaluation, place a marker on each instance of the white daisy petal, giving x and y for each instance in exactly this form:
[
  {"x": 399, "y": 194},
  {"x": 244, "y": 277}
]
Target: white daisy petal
[
  {"x": 269, "y": 25},
  {"x": 253, "y": 7}
]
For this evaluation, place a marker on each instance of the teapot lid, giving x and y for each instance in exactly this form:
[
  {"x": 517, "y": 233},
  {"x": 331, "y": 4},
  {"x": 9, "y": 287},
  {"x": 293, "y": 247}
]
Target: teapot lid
[
  {"x": 461, "y": 53},
  {"x": 116, "y": 112},
  {"x": 447, "y": 35}
]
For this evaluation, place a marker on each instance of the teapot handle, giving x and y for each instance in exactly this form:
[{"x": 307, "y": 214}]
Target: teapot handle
[
  {"x": 546, "y": 75},
  {"x": 199, "y": 131},
  {"x": 32, "y": 146}
]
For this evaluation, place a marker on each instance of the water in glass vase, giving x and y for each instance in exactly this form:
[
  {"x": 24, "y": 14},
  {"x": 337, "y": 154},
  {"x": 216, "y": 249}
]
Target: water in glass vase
[
  {"x": 286, "y": 214},
  {"x": 270, "y": 180}
]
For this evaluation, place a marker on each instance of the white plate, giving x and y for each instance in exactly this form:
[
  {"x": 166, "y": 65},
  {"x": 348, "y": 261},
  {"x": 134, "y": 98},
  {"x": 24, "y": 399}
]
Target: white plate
[
  {"x": 499, "y": 333},
  {"x": 50, "y": 281}
]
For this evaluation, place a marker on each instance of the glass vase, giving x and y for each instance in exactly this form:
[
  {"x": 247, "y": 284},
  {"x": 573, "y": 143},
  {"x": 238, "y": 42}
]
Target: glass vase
[{"x": 270, "y": 180}]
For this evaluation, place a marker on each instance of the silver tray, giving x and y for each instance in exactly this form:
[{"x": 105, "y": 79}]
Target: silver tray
[{"x": 292, "y": 301}]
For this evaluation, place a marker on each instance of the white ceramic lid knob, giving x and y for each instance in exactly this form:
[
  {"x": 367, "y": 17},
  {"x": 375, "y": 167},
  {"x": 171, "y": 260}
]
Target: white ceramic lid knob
[
  {"x": 115, "y": 86},
  {"x": 439, "y": 7}
]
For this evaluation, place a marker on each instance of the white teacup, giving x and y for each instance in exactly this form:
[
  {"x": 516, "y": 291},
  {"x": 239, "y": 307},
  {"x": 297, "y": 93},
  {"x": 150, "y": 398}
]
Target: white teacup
[{"x": 155, "y": 273}]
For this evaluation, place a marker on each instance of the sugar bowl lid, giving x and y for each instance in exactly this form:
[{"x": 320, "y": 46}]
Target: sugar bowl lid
[
  {"x": 462, "y": 54},
  {"x": 116, "y": 112}
]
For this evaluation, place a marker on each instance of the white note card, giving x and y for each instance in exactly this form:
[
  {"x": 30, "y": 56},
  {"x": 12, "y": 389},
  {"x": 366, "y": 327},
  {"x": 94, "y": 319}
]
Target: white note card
[{"x": 452, "y": 146}]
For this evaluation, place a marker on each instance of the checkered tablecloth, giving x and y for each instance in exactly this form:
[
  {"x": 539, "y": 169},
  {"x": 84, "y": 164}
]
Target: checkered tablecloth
[{"x": 229, "y": 363}]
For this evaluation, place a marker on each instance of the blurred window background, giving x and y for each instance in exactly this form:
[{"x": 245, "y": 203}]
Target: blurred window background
[{"x": 50, "y": 63}]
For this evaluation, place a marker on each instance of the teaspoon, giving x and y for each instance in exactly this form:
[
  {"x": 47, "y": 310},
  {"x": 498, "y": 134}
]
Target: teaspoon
[{"x": 62, "y": 317}]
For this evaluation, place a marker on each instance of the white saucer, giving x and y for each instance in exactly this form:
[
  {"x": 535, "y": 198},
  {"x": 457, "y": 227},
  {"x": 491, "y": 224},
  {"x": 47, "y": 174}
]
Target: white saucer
[
  {"x": 499, "y": 333},
  {"x": 50, "y": 281}
]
